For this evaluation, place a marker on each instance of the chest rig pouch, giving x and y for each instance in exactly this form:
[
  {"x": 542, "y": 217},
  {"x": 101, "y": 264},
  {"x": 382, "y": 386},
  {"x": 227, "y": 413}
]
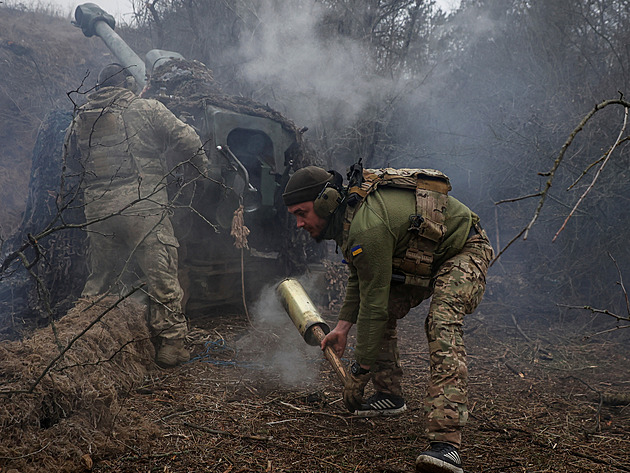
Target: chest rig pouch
[{"x": 426, "y": 225}]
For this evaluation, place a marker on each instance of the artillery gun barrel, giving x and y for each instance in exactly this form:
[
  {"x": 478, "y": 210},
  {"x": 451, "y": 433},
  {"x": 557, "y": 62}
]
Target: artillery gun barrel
[
  {"x": 124, "y": 53},
  {"x": 93, "y": 20}
]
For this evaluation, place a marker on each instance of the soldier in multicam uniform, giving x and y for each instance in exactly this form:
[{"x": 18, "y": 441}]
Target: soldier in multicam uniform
[
  {"x": 123, "y": 144},
  {"x": 375, "y": 238}
]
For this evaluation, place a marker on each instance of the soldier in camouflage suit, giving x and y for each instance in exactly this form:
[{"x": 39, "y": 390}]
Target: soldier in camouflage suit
[
  {"x": 124, "y": 144},
  {"x": 371, "y": 238}
]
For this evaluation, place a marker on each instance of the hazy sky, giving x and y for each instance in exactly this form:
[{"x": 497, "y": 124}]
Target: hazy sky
[
  {"x": 66, "y": 7},
  {"x": 122, "y": 8}
]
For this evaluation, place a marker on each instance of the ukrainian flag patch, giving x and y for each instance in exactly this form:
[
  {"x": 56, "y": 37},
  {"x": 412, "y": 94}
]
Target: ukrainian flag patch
[{"x": 357, "y": 250}]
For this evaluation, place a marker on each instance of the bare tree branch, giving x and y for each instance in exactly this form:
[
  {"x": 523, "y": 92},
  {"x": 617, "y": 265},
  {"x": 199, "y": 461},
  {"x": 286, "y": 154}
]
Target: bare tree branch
[
  {"x": 623, "y": 288},
  {"x": 597, "y": 174},
  {"x": 516, "y": 199},
  {"x": 597, "y": 311},
  {"x": 558, "y": 161}
]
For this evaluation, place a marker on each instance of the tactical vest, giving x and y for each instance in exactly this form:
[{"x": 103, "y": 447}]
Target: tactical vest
[
  {"x": 103, "y": 139},
  {"x": 431, "y": 189}
]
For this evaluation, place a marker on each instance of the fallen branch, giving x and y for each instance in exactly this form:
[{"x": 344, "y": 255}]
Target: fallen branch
[
  {"x": 308, "y": 411},
  {"x": 597, "y": 311}
]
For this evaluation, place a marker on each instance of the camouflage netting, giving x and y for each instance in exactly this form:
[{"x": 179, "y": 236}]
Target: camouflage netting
[
  {"x": 57, "y": 259},
  {"x": 71, "y": 410},
  {"x": 182, "y": 77},
  {"x": 185, "y": 86}
]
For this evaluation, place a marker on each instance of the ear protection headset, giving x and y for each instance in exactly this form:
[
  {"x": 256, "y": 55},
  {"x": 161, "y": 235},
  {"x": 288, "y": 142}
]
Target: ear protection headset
[{"x": 330, "y": 197}]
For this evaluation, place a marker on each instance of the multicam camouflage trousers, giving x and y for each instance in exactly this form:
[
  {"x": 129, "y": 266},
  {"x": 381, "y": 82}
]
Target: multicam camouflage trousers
[
  {"x": 459, "y": 286},
  {"x": 138, "y": 239}
]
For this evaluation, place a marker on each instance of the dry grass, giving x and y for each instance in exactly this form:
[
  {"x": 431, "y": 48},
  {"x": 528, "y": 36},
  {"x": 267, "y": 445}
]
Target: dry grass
[{"x": 61, "y": 389}]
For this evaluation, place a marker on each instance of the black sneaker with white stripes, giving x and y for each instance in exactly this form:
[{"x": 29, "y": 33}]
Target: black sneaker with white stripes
[
  {"x": 381, "y": 404},
  {"x": 440, "y": 458}
]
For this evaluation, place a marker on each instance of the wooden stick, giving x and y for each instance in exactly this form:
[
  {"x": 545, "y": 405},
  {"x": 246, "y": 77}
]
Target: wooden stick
[{"x": 330, "y": 354}]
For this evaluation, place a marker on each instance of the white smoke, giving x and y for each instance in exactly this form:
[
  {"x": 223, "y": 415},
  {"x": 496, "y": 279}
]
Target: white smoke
[
  {"x": 275, "y": 344},
  {"x": 316, "y": 77}
]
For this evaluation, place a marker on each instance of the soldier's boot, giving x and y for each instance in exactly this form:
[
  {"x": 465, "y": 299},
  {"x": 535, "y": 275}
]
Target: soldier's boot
[
  {"x": 381, "y": 404},
  {"x": 388, "y": 399},
  {"x": 440, "y": 458},
  {"x": 171, "y": 353}
]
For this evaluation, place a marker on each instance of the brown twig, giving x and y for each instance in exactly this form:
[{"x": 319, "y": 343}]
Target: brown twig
[
  {"x": 516, "y": 199},
  {"x": 598, "y": 426},
  {"x": 623, "y": 288},
  {"x": 308, "y": 411},
  {"x": 26, "y": 455},
  {"x": 225, "y": 432},
  {"x": 597, "y": 174},
  {"x": 558, "y": 161},
  {"x": 596, "y": 311}
]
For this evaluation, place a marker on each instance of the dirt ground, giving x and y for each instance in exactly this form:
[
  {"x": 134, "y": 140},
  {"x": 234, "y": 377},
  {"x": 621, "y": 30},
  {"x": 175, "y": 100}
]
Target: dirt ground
[
  {"x": 532, "y": 409},
  {"x": 261, "y": 400}
]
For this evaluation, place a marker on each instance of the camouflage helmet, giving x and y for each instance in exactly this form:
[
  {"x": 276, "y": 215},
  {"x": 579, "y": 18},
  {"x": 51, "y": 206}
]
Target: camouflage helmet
[{"x": 115, "y": 75}]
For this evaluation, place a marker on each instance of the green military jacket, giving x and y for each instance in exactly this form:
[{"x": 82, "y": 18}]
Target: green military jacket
[{"x": 378, "y": 233}]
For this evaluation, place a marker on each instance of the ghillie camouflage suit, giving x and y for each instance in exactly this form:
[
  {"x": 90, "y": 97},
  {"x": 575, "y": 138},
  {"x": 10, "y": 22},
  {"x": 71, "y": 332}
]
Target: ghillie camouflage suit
[{"x": 126, "y": 145}]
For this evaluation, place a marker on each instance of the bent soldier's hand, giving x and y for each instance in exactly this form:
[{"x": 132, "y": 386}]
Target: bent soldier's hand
[
  {"x": 337, "y": 341},
  {"x": 353, "y": 390}
]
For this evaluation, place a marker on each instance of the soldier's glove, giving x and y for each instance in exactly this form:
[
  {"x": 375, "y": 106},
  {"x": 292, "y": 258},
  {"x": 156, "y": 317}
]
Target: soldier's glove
[{"x": 353, "y": 390}]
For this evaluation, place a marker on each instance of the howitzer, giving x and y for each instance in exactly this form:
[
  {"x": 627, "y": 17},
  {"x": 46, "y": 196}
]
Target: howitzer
[
  {"x": 251, "y": 149},
  {"x": 94, "y": 21},
  {"x": 307, "y": 320}
]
